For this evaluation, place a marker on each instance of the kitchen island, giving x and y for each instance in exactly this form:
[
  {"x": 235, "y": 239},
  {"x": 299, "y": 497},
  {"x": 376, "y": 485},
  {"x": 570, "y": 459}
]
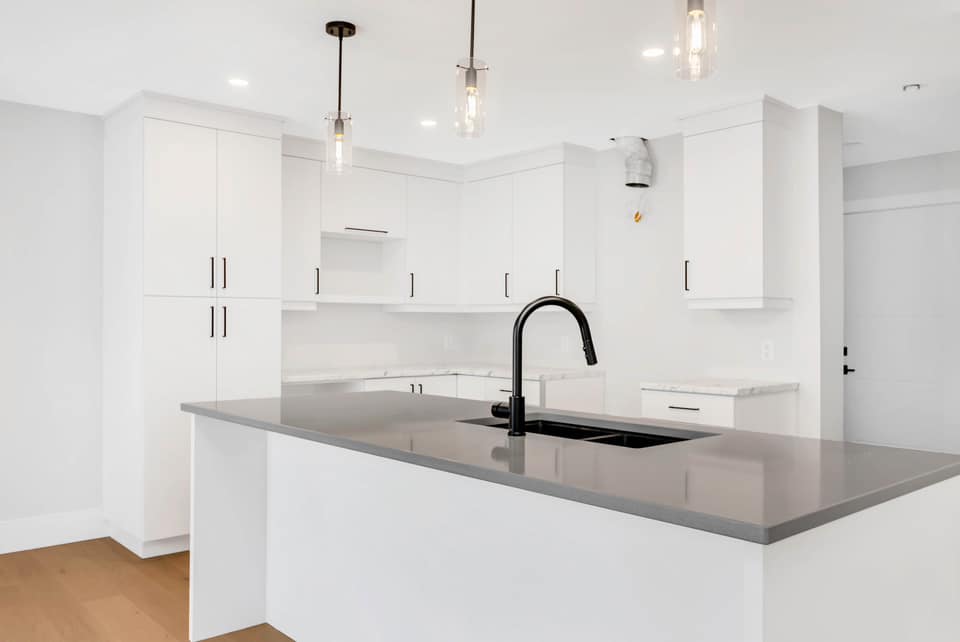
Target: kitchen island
[{"x": 385, "y": 516}]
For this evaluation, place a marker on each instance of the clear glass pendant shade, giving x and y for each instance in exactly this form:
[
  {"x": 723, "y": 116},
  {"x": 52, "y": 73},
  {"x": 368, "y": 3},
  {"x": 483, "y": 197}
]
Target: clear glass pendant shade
[
  {"x": 339, "y": 152},
  {"x": 695, "y": 42},
  {"x": 470, "y": 112}
]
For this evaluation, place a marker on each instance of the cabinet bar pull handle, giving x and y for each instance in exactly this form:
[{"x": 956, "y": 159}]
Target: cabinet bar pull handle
[
  {"x": 504, "y": 390},
  {"x": 213, "y": 279},
  {"x": 683, "y": 408},
  {"x": 212, "y": 321},
  {"x": 411, "y": 285},
  {"x": 686, "y": 272},
  {"x": 506, "y": 277},
  {"x": 421, "y": 388},
  {"x": 411, "y": 389},
  {"x": 556, "y": 281},
  {"x": 317, "y": 290},
  {"x": 365, "y": 229},
  {"x": 224, "y": 273},
  {"x": 224, "y": 321}
]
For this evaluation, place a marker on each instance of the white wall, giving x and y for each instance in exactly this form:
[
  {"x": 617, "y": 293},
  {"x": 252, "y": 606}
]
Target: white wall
[{"x": 51, "y": 164}]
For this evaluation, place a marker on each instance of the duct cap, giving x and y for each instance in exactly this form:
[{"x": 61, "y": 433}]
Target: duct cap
[{"x": 639, "y": 167}]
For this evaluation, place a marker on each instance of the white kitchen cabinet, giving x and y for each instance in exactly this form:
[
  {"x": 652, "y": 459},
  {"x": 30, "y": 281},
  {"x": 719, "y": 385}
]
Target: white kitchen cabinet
[
  {"x": 179, "y": 202},
  {"x": 365, "y": 203},
  {"x": 737, "y": 165},
  {"x": 486, "y": 241},
  {"x": 500, "y": 389},
  {"x": 248, "y": 215},
  {"x": 761, "y": 412},
  {"x": 433, "y": 212},
  {"x": 185, "y": 187},
  {"x": 302, "y": 189},
  {"x": 248, "y": 361},
  {"x": 179, "y": 364},
  {"x": 538, "y": 232},
  {"x": 442, "y": 385}
]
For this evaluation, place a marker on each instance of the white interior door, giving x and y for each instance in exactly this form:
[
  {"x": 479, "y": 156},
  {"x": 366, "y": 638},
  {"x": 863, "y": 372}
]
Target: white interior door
[
  {"x": 431, "y": 253},
  {"x": 179, "y": 208},
  {"x": 179, "y": 361},
  {"x": 901, "y": 319},
  {"x": 486, "y": 241},
  {"x": 248, "y": 348},
  {"x": 302, "y": 188},
  {"x": 538, "y": 225},
  {"x": 248, "y": 215}
]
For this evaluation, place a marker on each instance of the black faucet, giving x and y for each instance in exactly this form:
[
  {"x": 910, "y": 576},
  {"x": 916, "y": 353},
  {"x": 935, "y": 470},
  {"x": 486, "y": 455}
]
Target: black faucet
[{"x": 516, "y": 410}]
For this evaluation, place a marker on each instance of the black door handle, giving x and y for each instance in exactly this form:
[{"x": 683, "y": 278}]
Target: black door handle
[
  {"x": 224, "y": 322},
  {"x": 686, "y": 276},
  {"x": 506, "y": 277},
  {"x": 556, "y": 281},
  {"x": 213, "y": 279},
  {"x": 411, "y": 389},
  {"x": 847, "y": 370},
  {"x": 317, "y": 288},
  {"x": 411, "y": 285},
  {"x": 421, "y": 388},
  {"x": 224, "y": 273},
  {"x": 212, "y": 321}
]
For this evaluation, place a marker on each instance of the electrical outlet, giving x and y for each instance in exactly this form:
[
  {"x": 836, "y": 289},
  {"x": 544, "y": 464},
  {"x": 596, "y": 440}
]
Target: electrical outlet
[{"x": 766, "y": 350}]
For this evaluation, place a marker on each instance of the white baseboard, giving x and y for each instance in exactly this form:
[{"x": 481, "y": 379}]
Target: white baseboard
[
  {"x": 50, "y": 530},
  {"x": 150, "y": 548}
]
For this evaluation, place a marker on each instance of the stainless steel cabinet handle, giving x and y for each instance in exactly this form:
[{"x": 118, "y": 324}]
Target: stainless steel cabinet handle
[
  {"x": 224, "y": 286},
  {"x": 224, "y": 322},
  {"x": 213, "y": 278},
  {"x": 212, "y": 321},
  {"x": 683, "y": 408},
  {"x": 421, "y": 388},
  {"x": 556, "y": 281},
  {"x": 411, "y": 285},
  {"x": 506, "y": 279},
  {"x": 317, "y": 289}
]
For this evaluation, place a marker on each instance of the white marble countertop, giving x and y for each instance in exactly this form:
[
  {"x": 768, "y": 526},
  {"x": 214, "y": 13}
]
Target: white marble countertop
[
  {"x": 333, "y": 375},
  {"x": 724, "y": 387}
]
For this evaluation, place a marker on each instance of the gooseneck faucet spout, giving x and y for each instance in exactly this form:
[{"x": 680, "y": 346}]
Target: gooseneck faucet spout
[{"x": 516, "y": 410}]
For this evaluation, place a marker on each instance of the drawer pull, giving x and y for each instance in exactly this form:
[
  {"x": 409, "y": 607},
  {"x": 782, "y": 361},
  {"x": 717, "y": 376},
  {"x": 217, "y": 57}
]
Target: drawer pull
[
  {"x": 365, "y": 229},
  {"x": 683, "y": 408},
  {"x": 502, "y": 390}
]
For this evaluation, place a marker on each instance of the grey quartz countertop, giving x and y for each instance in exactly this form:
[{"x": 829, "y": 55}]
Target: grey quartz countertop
[{"x": 752, "y": 486}]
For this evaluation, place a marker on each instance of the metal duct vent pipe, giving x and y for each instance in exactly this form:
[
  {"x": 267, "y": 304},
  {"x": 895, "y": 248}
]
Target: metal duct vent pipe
[{"x": 638, "y": 164}]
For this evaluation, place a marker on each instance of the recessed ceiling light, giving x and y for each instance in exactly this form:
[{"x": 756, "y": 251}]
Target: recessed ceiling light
[
  {"x": 428, "y": 123},
  {"x": 238, "y": 82},
  {"x": 652, "y": 52}
]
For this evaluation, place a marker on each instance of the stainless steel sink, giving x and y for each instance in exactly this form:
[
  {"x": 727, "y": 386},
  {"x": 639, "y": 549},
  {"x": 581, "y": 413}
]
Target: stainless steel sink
[{"x": 610, "y": 433}]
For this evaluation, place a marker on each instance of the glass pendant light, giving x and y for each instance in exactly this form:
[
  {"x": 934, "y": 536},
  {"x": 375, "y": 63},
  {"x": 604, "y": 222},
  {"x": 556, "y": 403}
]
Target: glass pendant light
[
  {"x": 695, "y": 47},
  {"x": 339, "y": 152},
  {"x": 470, "y": 108}
]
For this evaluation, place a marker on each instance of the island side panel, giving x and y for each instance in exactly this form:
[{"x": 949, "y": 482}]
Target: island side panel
[
  {"x": 889, "y": 573},
  {"x": 365, "y": 548},
  {"x": 228, "y": 514}
]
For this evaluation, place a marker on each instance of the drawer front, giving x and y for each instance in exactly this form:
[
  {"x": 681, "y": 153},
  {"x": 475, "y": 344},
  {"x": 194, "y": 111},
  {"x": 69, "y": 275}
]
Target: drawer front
[
  {"x": 498, "y": 389},
  {"x": 711, "y": 410}
]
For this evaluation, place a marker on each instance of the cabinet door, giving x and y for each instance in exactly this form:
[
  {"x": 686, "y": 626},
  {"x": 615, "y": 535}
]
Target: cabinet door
[
  {"x": 432, "y": 235},
  {"x": 396, "y": 384},
  {"x": 723, "y": 213},
  {"x": 248, "y": 348},
  {"x": 179, "y": 208},
  {"x": 538, "y": 224},
  {"x": 365, "y": 202},
  {"x": 248, "y": 215},
  {"x": 179, "y": 364},
  {"x": 500, "y": 389},
  {"x": 486, "y": 241},
  {"x": 442, "y": 385},
  {"x": 302, "y": 184}
]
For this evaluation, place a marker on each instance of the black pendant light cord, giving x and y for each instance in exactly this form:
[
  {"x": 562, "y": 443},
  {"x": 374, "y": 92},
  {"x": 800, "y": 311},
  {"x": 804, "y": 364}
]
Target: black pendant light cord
[
  {"x": 340, "y": 74},
  {"x": 473, "y": 18}
]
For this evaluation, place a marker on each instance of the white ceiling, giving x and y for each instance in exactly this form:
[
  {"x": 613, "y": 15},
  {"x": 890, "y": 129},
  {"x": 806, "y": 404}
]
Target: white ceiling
[{"x": 566, "y": 70}]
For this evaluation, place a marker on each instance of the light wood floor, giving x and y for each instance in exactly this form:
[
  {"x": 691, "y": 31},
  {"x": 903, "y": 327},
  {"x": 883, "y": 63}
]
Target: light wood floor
[{"x": 98, "y": 591}]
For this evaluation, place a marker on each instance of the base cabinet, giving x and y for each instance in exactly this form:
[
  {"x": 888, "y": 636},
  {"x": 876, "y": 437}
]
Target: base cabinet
[
  {"x": 442, "y": 385},
  {"x": 772, "y": 412}
]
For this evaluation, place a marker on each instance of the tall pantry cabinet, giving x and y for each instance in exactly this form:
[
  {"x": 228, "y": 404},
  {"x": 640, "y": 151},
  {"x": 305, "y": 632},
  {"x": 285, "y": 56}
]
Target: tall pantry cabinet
[{"x": 191, "y": 304}]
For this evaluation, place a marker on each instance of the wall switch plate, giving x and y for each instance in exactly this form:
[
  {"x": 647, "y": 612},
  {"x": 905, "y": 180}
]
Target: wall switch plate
[{"x": 766, "y": 350}]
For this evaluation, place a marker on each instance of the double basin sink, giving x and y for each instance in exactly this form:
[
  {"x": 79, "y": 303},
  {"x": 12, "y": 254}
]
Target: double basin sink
[{"x": 630, "y": 436}]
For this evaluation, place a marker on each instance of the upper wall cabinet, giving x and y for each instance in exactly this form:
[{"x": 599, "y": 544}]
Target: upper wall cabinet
[
  {"x": 433, "y": 215},
  {"x": 736, "y": 164},
  {"x": 486, "y": 241},
  {"x": 211, "y": 212},
  {"x": 302, "y": 187},
  {"x": 365, "y": 203}
]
